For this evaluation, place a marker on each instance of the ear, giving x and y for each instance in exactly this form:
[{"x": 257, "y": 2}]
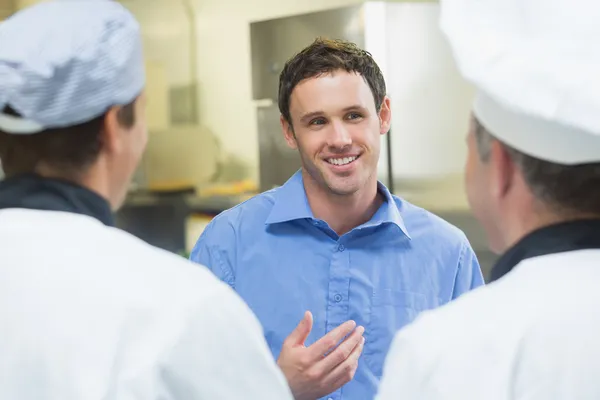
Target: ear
[
  {"x": 385, "y": 116},
  {"x": 503, "y": 170},
  {"x": 288, "y": 132},
  {"x": 112, "y": 139}
]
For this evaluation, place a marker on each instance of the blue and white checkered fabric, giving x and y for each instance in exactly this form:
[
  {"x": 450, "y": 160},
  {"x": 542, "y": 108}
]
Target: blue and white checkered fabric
[{"x": 65, "y": 62}]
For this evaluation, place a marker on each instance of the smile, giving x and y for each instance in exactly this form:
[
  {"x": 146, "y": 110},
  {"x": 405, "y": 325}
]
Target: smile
[{"x": 341, "y": 161}]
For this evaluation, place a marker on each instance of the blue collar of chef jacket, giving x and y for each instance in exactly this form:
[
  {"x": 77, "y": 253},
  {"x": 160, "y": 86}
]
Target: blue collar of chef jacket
[{"x": 291, "y": 204}]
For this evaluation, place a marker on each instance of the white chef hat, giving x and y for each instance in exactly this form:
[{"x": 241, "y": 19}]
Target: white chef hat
[
  {"x": 65, "y": 62},
  {"x": 536, "y": 66}
]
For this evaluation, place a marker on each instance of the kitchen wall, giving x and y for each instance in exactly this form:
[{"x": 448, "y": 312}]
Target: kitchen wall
[
  {"x": 221, "y": 66},
  {"x": 222, "y": 69},
  {"x": 7, "y": 7},
  {"x": 224, "y": 66},
  {"x": 224, "y": 73}
]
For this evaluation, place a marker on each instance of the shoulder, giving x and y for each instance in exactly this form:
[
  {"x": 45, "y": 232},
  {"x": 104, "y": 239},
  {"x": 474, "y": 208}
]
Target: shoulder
[
  {"x": 209, "y": 329},
  {"x": 218, "y": 339},
  {"x": 496, "y": 337},
  {"x": 138, "y": 277},
  {"x": 258, "y": 206},
  {"x": 152, "y": 269},
  {"x": 472, "y": 344},
  {"x": 251, "y": 213},
  {"x": 456, "y": 319},
  {"x": 425, "y": 222},
  {"x": 423, "y": 225},
  {"x": 183, "y": 287},
  {"x": 444, "y": 347},
  {"x": 463, "y": 326}
]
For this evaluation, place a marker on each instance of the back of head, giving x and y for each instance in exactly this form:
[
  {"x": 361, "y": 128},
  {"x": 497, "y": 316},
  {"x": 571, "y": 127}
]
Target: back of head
[
  {"x": 325, "y": 56},
  {"x": 567, "y": 190},
  {"x": 535, "y": 65},
  {"x": 63, "y": 65}
]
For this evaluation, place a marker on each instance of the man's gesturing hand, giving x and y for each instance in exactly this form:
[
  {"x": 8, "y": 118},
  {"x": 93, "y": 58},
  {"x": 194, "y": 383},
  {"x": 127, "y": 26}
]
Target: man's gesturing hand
[{"x": 315, "y": 371}]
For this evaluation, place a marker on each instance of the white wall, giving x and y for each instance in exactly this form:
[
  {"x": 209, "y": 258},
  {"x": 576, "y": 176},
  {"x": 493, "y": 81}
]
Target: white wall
[
  {"x": 430, "y": 99},
  {"x": 166, "y": 33}
]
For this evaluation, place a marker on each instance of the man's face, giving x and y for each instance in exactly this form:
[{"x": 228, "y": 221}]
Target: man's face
[
  {"x": 336, "y": 129},
  {"x": 478, "y": 185}
]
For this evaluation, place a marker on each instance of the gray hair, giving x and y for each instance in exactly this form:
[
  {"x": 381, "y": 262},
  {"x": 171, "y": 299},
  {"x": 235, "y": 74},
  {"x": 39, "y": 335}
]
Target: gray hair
[{"x": 565, "y": 189}]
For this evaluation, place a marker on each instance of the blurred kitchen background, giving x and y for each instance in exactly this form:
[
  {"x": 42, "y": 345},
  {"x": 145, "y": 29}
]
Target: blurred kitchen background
[{"x": 215, "y": 140}]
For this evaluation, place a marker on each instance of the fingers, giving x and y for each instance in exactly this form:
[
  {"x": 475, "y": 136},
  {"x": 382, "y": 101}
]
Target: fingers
[
  {"x": 301, "y": 332},
  {"x": 309, "y": 371},
  {"x": 330, "y": 340},
  {"x": 343, "y": 351},
  {"x": 345, "y": 371}
]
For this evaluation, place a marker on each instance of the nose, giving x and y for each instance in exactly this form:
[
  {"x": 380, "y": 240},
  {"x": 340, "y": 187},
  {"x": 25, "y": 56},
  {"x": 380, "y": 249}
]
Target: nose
[{"x": 339, "y": 136}]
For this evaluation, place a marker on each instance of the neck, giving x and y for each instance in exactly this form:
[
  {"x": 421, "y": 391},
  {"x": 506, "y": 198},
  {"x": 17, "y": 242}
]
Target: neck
[
  {"x": 88, "y": 179},
  {"x": 342, "y": 212},
  {"x": 542, "y": 217}
]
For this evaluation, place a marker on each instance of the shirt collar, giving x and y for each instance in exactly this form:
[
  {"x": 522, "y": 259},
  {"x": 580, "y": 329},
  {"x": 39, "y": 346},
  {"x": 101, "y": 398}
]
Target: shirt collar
[
  {"x": 34, "y": 192},
  {"x": 558, "y": 238},
  {"x": 292, "y": 204}
]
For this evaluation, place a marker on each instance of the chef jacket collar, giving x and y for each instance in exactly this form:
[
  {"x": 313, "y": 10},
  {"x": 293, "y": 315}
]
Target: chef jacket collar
[
  {"x": 34, "y": 192},
  {"x": 558, "y": 238}
]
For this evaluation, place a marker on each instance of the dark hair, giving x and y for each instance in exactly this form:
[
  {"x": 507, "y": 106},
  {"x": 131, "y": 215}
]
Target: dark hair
[
  {"x": 567, "y": 189},
  {"x": 68, "y": 149},
  {"x": 325, "y": 56}
]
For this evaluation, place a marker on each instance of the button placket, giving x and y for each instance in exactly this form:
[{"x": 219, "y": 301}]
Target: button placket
[{"x": 337, "y": 309}]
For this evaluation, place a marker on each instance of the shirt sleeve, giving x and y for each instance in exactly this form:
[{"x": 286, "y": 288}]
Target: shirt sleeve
[
  {"x": 215, "y": 251},
  {"x": 469, "y": 275},
  {"x": 221, "y": 354}
]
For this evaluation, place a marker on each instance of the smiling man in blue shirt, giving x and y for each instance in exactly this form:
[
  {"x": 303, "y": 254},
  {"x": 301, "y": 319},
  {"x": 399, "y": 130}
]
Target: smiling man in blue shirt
[{"x": 333, "y": 241}]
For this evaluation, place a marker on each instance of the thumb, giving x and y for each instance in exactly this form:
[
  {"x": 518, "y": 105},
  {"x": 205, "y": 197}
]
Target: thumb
[{"x": 300, "y": 334}]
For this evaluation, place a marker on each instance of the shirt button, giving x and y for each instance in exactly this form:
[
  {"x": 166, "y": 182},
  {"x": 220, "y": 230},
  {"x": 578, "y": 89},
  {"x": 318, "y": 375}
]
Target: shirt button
[
  {"x": 337, "y": 298},
  {"x": 341, "y": 247}
]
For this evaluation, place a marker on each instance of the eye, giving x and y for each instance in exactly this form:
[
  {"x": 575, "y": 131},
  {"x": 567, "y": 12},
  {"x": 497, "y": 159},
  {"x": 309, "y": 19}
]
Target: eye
[
  {"x": 318, "y": 121},
  {"x": 354, "y": 116}
]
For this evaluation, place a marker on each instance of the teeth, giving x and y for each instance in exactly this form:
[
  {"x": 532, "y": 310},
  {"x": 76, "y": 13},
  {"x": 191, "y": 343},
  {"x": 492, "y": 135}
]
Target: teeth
[{"x": 341, "y": 161}]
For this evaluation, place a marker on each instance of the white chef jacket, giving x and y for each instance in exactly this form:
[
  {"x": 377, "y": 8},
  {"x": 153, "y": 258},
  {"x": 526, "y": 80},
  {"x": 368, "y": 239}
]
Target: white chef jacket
[
  {"x": 534, "y": 334},
  {"x": 90, "y": 312}
]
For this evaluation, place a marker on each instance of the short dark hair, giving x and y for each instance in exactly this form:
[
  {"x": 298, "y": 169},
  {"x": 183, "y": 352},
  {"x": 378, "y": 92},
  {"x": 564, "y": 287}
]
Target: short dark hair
[
  {"x": 567, "y": 189},
  {"x": 325, "y": 56},
  {"x": 68, "y": 149}
]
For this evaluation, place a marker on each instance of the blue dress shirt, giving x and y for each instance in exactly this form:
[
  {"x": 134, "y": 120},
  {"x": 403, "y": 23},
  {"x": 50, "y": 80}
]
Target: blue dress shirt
[{"x": 282, "y": 261}]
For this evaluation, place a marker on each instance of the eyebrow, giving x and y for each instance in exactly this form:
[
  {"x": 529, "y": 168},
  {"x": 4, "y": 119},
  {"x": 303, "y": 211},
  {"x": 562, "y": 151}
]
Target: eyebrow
[{"x": 311, "y": 115}]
